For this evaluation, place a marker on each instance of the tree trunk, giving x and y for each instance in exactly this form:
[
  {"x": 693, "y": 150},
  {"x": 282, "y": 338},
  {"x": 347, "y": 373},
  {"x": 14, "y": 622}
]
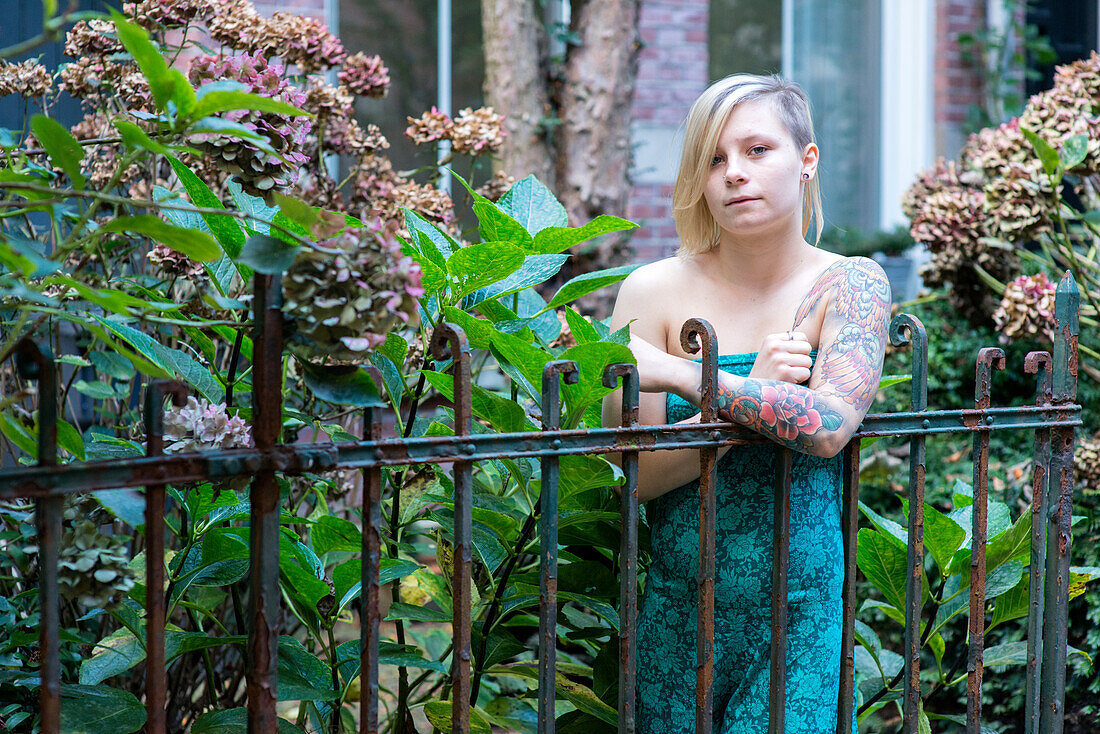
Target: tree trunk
[
  {"x": 594, "y": 153},
  {"x": 515, "y": 85}
]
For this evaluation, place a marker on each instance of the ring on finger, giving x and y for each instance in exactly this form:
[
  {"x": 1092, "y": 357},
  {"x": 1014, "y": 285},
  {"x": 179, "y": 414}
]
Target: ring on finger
[{"x": 790, "y": 337}]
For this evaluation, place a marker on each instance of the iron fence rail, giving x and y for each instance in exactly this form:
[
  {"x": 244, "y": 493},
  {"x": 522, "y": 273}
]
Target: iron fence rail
[{"x": 1053, "y": 418}]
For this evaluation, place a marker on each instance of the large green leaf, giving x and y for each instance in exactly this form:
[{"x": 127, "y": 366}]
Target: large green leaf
[
  {"x": 1074, "y": 150},
  {"x": 560, "y": 239},
  {"x": 254, "y": 206},
  {"x": 479, "y": 332},
  {"x": 416, "y": 223},
  {"x": 197, "y": 245},
  {"x": 342, "y": 385},
  {"x": 155, "y": 68},
  {"x": 227, "y": 100},
  {"x": 587, "y": 283},
  {"x": 533, "y": 205},
  {"x": 942, "y": 536},
  {"x": 581, "y": 696},
  {"x": 302, "y": 675},
  {"x": 225, "y": 228},
  {"x": 1013, "y": 604},
  {"x": 883, "y": 563},
  {"x": 334, "y": 533},
  {"x": 438, "y": 714},
  {"x": 482, "y": 264},
  {"x": 521, "y": 361},
  {"x": 98, "y": 709},
  {"x": 535, "y": 269},
  {"x": 174, "y": 363},
  {"x": 136, "y": 138},
  {"x": 495, "y": 225},
  {"x": 60, "y": 145},
  {"x": 592, "y": 360},
  {"x": 234, "y": 721},
  {"x": 506, "y": 416},
  {"x": 1047, "y": 154},
  {"x": 267, "y": 254}
]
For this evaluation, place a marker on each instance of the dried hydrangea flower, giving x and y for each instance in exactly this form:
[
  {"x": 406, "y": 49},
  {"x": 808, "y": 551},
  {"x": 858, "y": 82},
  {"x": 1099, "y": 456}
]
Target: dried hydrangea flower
[
  {"x": 1086, "y": 464},
  {"x": 497, "y": 186},
  {"x": 299, "y": 40},
  {"x": 1026, "y": 309},
  {"x": 365, "y": 76},
  {"x": 477, "y": 131},
  {"x": 175, "y": 264},
  {"x": 201, "y": 425},
  {"x": 1062, "y": 112},
  {"x": 95, "y": 37},
  {"x": 101, "y": 160},
  {"x": 1082, "y": 74},
  {"x": 27, "y": 79},
  {"x": 343, "y": 304},
  {"x": 95, "y": 80},
  {"x": 168, "y": 13},
  {"x": 259, "y": 171},
  {"x": 433, "y": 125}
]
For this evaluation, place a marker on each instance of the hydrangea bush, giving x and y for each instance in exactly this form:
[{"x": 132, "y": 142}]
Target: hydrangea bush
[
  {"x": 130, "y": 242},
  {"x": 1019, "y": 206}
]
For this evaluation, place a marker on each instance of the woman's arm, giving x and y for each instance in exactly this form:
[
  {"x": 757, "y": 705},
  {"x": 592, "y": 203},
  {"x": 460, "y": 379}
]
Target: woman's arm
[
  {"x": 818, "y": 418},
  {"x": 639, "y": 305}
]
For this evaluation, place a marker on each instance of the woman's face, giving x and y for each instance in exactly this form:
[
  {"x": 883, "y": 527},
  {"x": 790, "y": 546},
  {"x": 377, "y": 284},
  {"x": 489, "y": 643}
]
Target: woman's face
[{"x": 754, "y": 184}]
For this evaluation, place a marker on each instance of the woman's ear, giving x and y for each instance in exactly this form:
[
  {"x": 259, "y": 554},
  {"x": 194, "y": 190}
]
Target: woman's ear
[{"x": 809, "y": 161}]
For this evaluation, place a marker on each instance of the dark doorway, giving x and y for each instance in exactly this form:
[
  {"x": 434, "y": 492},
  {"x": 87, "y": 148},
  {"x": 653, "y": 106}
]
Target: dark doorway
[{"x": 1070, "y": 25}]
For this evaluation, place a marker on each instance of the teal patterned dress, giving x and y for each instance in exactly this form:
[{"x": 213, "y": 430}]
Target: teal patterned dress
[{"x": 743, "y": 544}]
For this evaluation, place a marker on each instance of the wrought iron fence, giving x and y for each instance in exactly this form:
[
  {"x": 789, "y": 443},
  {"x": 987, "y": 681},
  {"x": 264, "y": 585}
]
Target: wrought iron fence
[{"x": 1053, "y": 418}]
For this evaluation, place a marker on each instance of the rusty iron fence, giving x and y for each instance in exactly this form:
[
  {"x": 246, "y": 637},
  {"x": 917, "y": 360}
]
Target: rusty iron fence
[{"x": 1053, "y": 418}]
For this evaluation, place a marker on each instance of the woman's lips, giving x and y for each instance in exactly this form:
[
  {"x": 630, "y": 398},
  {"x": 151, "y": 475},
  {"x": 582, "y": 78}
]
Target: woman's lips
[{"x": 741, "y": 201}]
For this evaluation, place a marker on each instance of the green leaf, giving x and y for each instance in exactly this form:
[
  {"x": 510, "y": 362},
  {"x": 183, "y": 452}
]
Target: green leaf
[
  {"x": 215, "y": 102},
  {"x": 234, "y": 721},
  {"x": 1043, "y": 149},
  {"x": 254, "y": 206},
  {"x": 892, "y": 530},
  {"x": 198, "y": 246},
  {"x": 225, "y": 228},
  {"x": 98, "y": 709},
  {"x": 587, "y": 283},
  {"x": 560, "y": 239},
  {"x": 416, "y": 223},
  {"x": 482, "y": 264},
  {"x": 889, "y": 380},
  {"x": 535, "y": 269},
  {"x": 268, "y": 255},
  {"x": 135, "y": 138},
  {"x": 172, "y": 362},
  {"x": 136, "y": 40},
  {"x": 112, "y": 365},
  {"x": 883, "y": 563},
  {"x": 439, "y": 716},
  {"x": 1074, "y": 150},
  {"x": 341, "y": 384},
  {"x": 114, "y": 654},
  {"x": 391, "y": 375},
  {"x": 533, "y": 205},
  {"x": 127, "y": 505},
  {"x": 513, "y": 714},
  {"x": 1013, "y": 604},
  {"x": 479, "y": 332},
  {"x": 581, "y": 328},
  {"x": 335, "y": 533},
  {"x": 503, "y": 414},
  {"x": 494, "y": 225},
  {"x": 521, "y": 361},
  {"x": 592, "y": 360},
  {"x": 63, "y": 149},
  {"x": 95, "y": 390},
  {"x": 400, "y": 610},
  {"x": 942, "y": 536}
]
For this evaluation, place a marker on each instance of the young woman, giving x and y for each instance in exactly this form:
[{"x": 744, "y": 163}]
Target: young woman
[{"x": 802, "y": 334}]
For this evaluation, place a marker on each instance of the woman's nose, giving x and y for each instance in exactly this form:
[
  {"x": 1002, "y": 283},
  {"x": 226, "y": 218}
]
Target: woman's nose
[{"x": 734, "y": 174}]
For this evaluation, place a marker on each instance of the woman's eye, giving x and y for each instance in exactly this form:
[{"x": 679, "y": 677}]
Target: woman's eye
[
  {"x": 716, "y": 160},
  {"x": 757, "y": 150}
]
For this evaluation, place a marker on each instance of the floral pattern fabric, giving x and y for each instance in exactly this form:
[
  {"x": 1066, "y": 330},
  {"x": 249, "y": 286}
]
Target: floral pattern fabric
[{"x": 667, "y": 619}]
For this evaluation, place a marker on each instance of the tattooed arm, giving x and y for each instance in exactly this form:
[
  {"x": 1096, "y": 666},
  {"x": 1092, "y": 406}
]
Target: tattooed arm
[{"x": 852, "y": 297}]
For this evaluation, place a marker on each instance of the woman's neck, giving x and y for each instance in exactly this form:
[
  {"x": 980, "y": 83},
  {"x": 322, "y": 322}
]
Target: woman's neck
[{"x": 761, "y": 260}]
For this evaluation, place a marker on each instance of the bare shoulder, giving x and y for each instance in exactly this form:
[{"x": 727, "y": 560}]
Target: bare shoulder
[
  {"x": 844, "y": 282},
  {"x": 644, "y": 292}
]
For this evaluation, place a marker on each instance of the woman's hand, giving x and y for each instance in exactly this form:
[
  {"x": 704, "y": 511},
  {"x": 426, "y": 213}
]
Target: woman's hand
[
  {"x": 659, "y": 371},
  {"x": 785, "y": 357}
]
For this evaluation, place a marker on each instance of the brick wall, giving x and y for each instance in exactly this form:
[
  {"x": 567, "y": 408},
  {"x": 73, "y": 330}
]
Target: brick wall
[
  {"x": 672, "y": 71},
  {"x": 956, "y": 84}
]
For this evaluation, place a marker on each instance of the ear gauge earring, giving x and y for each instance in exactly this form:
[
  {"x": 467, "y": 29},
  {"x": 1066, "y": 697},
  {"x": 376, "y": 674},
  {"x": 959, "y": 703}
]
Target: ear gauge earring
[{"x": 805, "y": 177}]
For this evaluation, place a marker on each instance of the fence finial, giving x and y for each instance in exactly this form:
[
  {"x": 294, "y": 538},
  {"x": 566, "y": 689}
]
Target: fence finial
[
  {"x": 698, "y": 335},
  {"x": 908, "y": 329}
]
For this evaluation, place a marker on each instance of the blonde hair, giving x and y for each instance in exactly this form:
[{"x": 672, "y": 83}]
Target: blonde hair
[{"x": 697, "y": 229}]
